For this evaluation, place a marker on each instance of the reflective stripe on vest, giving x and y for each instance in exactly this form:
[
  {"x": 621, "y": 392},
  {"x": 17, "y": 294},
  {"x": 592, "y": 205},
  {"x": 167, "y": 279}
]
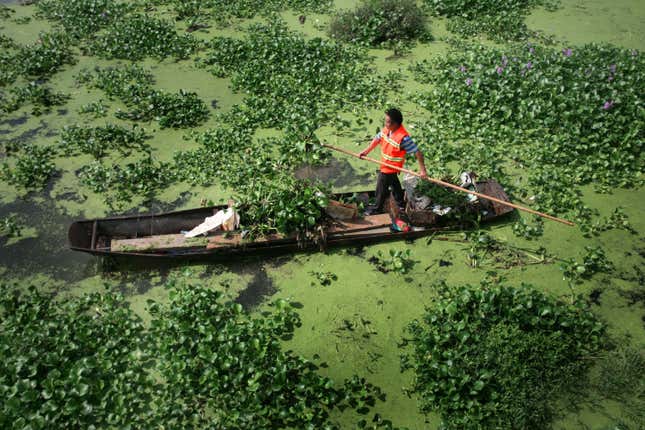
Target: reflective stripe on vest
[
  {"x": 391, "y": 151},
  {"x": 395, "y": 159}
]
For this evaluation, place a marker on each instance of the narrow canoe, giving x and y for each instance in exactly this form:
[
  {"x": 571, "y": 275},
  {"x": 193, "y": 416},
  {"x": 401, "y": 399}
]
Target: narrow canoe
[{"x": 158, "y": 236}]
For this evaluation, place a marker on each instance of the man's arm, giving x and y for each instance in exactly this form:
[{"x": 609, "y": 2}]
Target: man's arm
[
  {"x": 373, "y": 145},
  {"x": 422, "y": 166}
]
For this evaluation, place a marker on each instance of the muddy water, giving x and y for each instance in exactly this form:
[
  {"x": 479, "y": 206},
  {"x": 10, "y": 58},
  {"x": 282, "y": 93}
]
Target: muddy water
[{"x": 376, "y": 305}]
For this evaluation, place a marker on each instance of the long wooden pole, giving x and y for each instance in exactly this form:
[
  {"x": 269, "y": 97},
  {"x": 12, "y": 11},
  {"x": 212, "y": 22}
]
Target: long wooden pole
[{"x": 455, "y": 187}]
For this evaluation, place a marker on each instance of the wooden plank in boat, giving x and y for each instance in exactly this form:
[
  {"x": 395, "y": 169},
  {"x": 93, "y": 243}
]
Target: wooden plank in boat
[
  {"x": 235, "y": 239},
  {"x": 369, "y": 222},
  {"x": 362, "y": 232},
  {"x": 159, "y": 242}
]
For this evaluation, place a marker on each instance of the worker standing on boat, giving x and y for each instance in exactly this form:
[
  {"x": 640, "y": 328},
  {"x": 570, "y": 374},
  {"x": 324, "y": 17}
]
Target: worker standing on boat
[{"x": 395, "y": 142}]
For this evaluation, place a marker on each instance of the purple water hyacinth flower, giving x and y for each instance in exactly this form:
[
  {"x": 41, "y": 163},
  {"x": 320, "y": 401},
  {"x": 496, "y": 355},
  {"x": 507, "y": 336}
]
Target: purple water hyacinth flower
[
  {"x": 612, "y": 68},
  {"x": 499, "y": 70},
  {"x": 610, "y": 78},
  {"x": 608, "y": 105},
  {"x": 634, "y": 52},
  {"x": 469, "y": 82},
  {"x": 567, "y": 52},
  {"x": 462, "y": 69},
  {"x": 504, "y": 61},
  {"x": 529, "y": 65},
  {"x": 531, "y": 50}
]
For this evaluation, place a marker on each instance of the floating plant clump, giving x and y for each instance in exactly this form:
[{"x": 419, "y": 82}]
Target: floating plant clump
[
  {"x": 288, "y": 79},
  {"x": 82, "y": 18},
  {"x": 99, "y": 141},
  {"x": 492, "y": 356},
  {"x": 567, "y": 117},
  {"x": 370, "y": 23},
  {"x": 138, "y": 36},
  {"x": 132, "y": 85},
  {"x": 500, "y": 20},
  {"x": 31, "y": 169},
  {"x": 68, "y": 354}
]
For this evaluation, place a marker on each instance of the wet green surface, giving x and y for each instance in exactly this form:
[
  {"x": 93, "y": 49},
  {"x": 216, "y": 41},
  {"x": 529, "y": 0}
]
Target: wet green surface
[{"x": 378, "y": 306}]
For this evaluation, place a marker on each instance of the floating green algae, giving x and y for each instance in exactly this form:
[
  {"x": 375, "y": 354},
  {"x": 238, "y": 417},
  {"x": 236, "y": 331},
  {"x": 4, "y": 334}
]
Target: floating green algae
[{"x": 356, "y": 322}]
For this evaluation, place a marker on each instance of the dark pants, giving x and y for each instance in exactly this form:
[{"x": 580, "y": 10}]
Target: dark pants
[{"x": 383, "y": 184}]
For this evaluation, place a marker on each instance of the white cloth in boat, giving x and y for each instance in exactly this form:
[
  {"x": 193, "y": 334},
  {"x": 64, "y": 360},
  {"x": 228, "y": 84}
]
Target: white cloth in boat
[{"x": 228, "y": 220}]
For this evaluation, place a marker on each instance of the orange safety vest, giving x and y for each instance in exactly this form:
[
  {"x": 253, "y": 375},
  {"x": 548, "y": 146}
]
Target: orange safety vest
[{"x": 391, "y": 151}]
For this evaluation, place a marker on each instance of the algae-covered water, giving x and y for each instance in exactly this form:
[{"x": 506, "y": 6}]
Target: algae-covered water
[{"x": 377, "y": 305}]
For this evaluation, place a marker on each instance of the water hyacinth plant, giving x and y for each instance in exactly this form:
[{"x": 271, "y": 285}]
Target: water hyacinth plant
[
  {"x": 31, "y": 169},
  {"x": 82, "y": 18},
  {"x": 499, "y": 20},
  {"x": 98, "y": 141},
  {"x": 370, "y": 23},
  {"x": 551, "y": 112},
  {"x": 137, "y": 36},
  {"x": 133, "y": 86},
  {"x": 492, "y": 356}
]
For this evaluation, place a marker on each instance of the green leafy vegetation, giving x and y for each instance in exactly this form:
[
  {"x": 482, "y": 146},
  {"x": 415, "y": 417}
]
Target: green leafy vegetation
[
  {"x": 81, "y": 18},
  {"x": 39, "y": 60},
  {"x": 138, "y": 36},
  {"x": 91, "y": 362},
  {"x": 224, "y": 11},
  {"x": 133, "y": 86},
  {"x": 249, "y": 382},
  {"x": 10, "y": 226},
  {"x": 492, "y": 356},
  {"x": 619, "y": 376},
  {"x": 499, "y": 20},
  {"x": 527, "y": 230},
  {"x": 6, "y": 12},
  {"x": 594, "y": 261},
  {"x": 380, "y": 23},
  {"x": 482, "y": 249},
  {"x": 182, "y": 110},
  {"x": 98, "y": 141},
  {"x": 32, "y": 169},
  {"x": 75, "y": 363},
  {"x": 282, "y": 204},
  {"x": 440, "y": 195},
  {"x": 323, "y": 278},
  {"x": 96, "y": 108},
  {"x": 567, "y": 118},
  {"x": 290, "y": 82},
  {"x": 398, "y": 261},
  {"x": 121, "y": 184},
  {"x": 46, "y": 56},
  {"x": 40, "y": 96}
]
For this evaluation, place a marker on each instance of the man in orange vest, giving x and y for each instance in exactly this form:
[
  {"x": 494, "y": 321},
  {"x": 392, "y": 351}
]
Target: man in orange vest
[{"x": 395, "y": 143}]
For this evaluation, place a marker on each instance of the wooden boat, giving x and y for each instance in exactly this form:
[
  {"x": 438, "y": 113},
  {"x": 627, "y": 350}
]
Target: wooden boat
[{"x": 159, "y": 236}]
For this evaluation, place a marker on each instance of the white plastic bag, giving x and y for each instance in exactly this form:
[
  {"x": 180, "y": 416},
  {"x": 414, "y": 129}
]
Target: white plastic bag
[{"x": 227, "y": 220}]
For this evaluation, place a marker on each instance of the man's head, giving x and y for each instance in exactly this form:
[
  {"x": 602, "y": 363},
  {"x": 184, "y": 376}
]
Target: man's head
[{"x": 393, "y": 119}]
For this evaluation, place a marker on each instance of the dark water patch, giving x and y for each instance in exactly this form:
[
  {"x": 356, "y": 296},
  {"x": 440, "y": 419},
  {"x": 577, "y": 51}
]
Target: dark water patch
[
  {"x": 132, "y": 282},
  {"x": 594, "y": 296},
  {"x": 24, "y": 137},
  {"x": 355, "y": 251},
  {"x": 72, "y": 196},
  {"x": 14, "y": 122},
  {"x": 62, "y": 112},
  {"x": 634, "y": 296},
  {"x": 156, "y": 206},
  {"x": 214, "y": 104},
  {"x": 444, "y": 263},
  {"x": 261, "y": 285},
  {"x": 48, "y": 253},
  {"x": 3, "y": 131},
  {"x": 339, "y": 172}
]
